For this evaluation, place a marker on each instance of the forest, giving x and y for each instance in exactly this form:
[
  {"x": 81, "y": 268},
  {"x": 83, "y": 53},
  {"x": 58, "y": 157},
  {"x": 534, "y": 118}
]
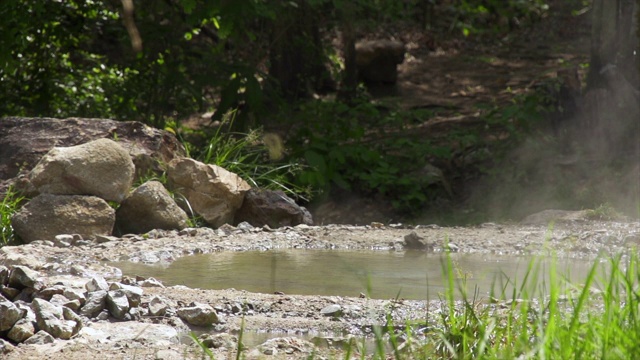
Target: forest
[{"x": 496, "y": 108}]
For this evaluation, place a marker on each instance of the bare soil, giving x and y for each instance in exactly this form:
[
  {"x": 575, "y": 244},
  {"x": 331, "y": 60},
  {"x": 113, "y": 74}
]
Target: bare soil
[{"x": 293, "y": 319}]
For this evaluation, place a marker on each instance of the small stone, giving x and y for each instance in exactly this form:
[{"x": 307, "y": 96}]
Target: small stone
[
  {"x": 5, "y": 347},
  {"x": 74, "y": 305},
  {"x": 95, "y": 304},
  {"x": 168, "y": 354},
  {"x": 97, "y": 283},
  {"x": 331, "y": 310},
  {"x": 40, "y": 338},
  {"x": 150, "y": 282},
  {"x": 101, "y": 239},
  {"x": 49, "y": 318},
  {"x": 9, "y": 315},
  {"x": 9, "y": 292},
  {"x": 451, "y": 247},
  {"x": 48, "y": 292},
  {"x": 133, "y": 293},
  {"x": 58, "y": 299},
  {"x": 198, "y": 314},
  {"x": 68, "y": 314},
  {"x": 21, "y": 331},
  {"x": 117, "y": 303},
  {"x": 23, "y": 277},
  {"x": 217, "y": 341},
  {"x": 157, "y": 306},
  {"x": 63, "y": 240},
  {"x": 4, "y": 275},
  {"x": 74, "y": 294},
  {"x": 415, "y": 242},
  {"x": 103, "y": 315}
]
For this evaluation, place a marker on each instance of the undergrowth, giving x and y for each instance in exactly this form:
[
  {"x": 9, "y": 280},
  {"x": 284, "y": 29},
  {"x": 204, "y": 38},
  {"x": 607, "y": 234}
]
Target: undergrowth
[{"x": 9, "y": 205}]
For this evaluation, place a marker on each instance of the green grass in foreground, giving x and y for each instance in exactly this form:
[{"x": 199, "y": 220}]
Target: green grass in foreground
[
  {"x": 544, "y": 317},
  {"x": 9, "y": 205}
]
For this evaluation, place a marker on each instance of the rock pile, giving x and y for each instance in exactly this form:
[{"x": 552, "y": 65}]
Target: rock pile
[
  {"x": 33, "y": 311},
  {"x": 76, "y": 188}
]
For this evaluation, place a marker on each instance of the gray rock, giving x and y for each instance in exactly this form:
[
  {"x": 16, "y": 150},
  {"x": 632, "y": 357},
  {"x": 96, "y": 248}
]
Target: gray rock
[
  {"x": 95, "y": 304},
  {"x": 29, "y": 314},
  {"x": 9, "y": 315},
  {"x": 9, "y": 292},
  {"x": 129, "y": 332},
  {"x": 69, "y": 314},
  {"x": 15, "y": 255},
  {"x": 117, "y": 303},
  {"x": 40, "y": 338},
  {"x": 133, "y": 293},
  {"x": 212, "y": 192},
  {"x": 48, "y": 292},
  {"x": 217, "y": 341},
  {"x": 58, "y": 299},
  {"x": 46, "y": 216},
  {"x": 331, "y": 310},
  {"x": 4, "y": 275},
  {"x": 101, "y": 239},
  {"x": 5, "y": 347},
  {"x": 149, "y": 207},
  {"x": 147, "y": 147},
  {"x": 74, "y": 294},
  {"x": 23, "y": 277},
  {"x": 449, "y": 246},
  {"x": 272, "y": 208},
  {"x": 21, "y": 331},
  {"x": 150, "y": 282},
  {"x": 50, "y": 318},
  {"x": 97, "y": 283},
  {"x": 198, "y": 314},
  {"x": 27, "y": 294},
  {"x": 168, "y": 354},
  {"x": 74, "y": 305},
  {"x": 103, "y": 315},
  {"x": 414, "y": 242},
  {"x": 157, "y": 306},
  {"x": 63, "y": 240},
  {"x": 99, "y": 168}
]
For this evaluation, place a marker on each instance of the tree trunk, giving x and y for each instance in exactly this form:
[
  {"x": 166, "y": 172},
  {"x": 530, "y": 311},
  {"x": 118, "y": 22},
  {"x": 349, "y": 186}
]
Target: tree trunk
[
  {"x": 296, "y": 54},
  {"x": 613, "y": 42}
]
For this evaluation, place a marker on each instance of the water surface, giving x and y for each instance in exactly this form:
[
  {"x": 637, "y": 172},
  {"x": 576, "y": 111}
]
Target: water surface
[{"x": 380, "y": 274}]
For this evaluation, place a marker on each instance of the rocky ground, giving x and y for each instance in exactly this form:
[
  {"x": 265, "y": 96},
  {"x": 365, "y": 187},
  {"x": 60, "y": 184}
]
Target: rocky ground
[{"x": 296, "y": 325}]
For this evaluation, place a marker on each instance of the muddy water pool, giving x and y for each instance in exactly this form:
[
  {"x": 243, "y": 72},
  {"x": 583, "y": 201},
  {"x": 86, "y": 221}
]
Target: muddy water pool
[{"x": 379, "y": 274}]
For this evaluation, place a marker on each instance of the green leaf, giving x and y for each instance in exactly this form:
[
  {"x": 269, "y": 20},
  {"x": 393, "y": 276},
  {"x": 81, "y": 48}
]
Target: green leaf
[
  {"x": 316, "y": 161},
  {"x": 188, "y": 5}
]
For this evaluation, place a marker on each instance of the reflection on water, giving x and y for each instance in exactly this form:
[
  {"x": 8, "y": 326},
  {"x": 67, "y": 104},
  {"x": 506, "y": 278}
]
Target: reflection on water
[{"x": 409, "y": 275}]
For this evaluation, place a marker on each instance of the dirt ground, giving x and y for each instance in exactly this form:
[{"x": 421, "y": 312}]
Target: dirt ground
[{"x": 295, "y": 321}]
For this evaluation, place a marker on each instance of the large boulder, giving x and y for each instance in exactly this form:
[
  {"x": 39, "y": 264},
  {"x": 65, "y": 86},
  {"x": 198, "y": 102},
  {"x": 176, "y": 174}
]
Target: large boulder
[
  {"x": 149, "y": 207},
  {"x": 101, "y": 168},
  {"x": 23, "y": 142},
  {"x": 377, "y": 60},
  {"x": 47, "y": 215},
  {"x": 211, "y": 191},
  {"x": 273, "y": 208}
]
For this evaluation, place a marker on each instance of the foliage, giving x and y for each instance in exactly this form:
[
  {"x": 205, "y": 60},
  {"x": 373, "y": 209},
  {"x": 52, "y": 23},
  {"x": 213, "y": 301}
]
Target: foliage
[
  {"x": 496, "y": 16},
  {"x": 8, "y": 207},
  {"x": 339, "y": 150},
  {"x": 72, "y": 58},
  {"x": 254, "y": 156}
]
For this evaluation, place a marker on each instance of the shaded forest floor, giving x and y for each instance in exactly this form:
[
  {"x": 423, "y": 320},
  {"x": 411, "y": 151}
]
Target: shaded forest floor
[{"x": 459, "y": 80}]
